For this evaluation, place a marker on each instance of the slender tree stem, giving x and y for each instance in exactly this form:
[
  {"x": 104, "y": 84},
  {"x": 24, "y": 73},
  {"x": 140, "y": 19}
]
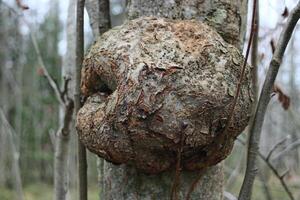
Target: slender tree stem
[
  {"x": 274, "y": 170},
  {"x": 82, "y": 163},
  {"x": 255, "y": 132}
]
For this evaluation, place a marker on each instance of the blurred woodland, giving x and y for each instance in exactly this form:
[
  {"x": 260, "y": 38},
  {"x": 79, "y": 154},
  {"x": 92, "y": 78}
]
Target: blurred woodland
[{"x": 30, "y": 112}]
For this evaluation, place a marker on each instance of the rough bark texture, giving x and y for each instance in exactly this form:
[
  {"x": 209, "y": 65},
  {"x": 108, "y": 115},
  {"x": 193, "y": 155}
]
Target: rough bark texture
[
  {"x": 171, "y": 79},
  {"x": 224, "y": 15},
  {"x": 119, "y": 184},
  {"x": 125, "y": 181},
  {"x": 99, "y": 14}
]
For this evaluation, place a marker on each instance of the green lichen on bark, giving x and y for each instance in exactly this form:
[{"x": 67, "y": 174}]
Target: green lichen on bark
[{"x": 170, "y": 79}]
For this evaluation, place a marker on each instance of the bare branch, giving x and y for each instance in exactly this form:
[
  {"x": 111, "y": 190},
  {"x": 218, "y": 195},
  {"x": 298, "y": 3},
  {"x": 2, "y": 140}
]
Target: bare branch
[
  {"x": 51, "y": 81},
  {"x": 278, "y": 144},
  {"x": 176, "y": 182},
  {"x": 194, "y": 184},
  {"x": 287, "y": 149},
  {"x": 273, "y": 169},
  {"x": 255, "y": 132},
  {"x": 284, "y": 173},
  {"x": 82, "y": 162}
]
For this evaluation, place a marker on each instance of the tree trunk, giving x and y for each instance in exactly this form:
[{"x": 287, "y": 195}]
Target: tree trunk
[
  {"x": 98, "y": 11},
  {"x": 61, "y": 164},
  {"x": 125, "y": 182}
]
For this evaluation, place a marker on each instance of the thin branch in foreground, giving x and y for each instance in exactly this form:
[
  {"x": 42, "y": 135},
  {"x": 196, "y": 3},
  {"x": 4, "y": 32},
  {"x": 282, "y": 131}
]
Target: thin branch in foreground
[
  {"x": 82, "y": 162},
  {"x": 194, "y": 184},
  {"x": 277, "y": 145},
  {"x": 255, "y": 132},
  {"x": 287, "y": 149},
  {"x": 274, "y": 170},
  {"x": 176, "y": 182}
]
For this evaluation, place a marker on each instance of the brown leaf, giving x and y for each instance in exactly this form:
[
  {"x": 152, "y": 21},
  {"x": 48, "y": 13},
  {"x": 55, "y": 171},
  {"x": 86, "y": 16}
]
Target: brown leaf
[
  {"x": 282, "y": 98},
  {"x": 21, "y": 5},
  {"x": 285, "y": 12}
]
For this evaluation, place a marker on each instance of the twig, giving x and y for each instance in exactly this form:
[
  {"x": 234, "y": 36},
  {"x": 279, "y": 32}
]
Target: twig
[
  {"x": 254, "y": 58},
  {"x": 194, "y": 184},
  {"x": 176, "y": 182},
  {"x": 273, "y": 169},
  {"x": 246, "y": 190},
  {"x": 51, "y": 81},
  {"x": 278, "y": 144},
  {"x": 287, "y": 149},
  {"x": 265, "y": 186},
  {"x": 82, "y": 162}
]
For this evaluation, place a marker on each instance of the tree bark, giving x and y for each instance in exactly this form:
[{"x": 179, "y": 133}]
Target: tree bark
[
  {"x": 125, "y": 182},
  {"x": 226, "y": 16},
  {"x": 98, "y": 11}
]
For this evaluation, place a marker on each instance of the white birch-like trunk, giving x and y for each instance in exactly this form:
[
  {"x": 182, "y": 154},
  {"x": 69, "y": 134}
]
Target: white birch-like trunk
[{"x": 61, "y": 162}]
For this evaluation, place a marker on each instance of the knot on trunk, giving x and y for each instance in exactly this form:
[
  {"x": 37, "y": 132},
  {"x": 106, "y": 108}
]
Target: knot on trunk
[{"x": 154, "y": 86}]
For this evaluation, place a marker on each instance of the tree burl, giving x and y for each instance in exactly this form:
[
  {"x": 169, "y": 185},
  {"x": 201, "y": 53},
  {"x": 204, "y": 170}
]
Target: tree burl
[{"x": 155, "y": 86}]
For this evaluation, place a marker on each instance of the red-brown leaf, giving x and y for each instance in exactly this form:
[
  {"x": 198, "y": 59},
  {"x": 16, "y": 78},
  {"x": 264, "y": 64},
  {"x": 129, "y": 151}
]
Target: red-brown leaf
[{"x": 282, "y": 98}]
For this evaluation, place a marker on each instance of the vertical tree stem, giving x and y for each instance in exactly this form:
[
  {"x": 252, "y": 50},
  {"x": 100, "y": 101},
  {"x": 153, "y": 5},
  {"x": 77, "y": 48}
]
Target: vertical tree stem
[
  {"x": 82, "y": 163},
  {"x": 255, "y": 132}
]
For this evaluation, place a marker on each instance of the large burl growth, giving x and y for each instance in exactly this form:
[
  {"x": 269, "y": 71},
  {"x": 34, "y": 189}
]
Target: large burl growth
[{"x": 155, "y": 86}]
